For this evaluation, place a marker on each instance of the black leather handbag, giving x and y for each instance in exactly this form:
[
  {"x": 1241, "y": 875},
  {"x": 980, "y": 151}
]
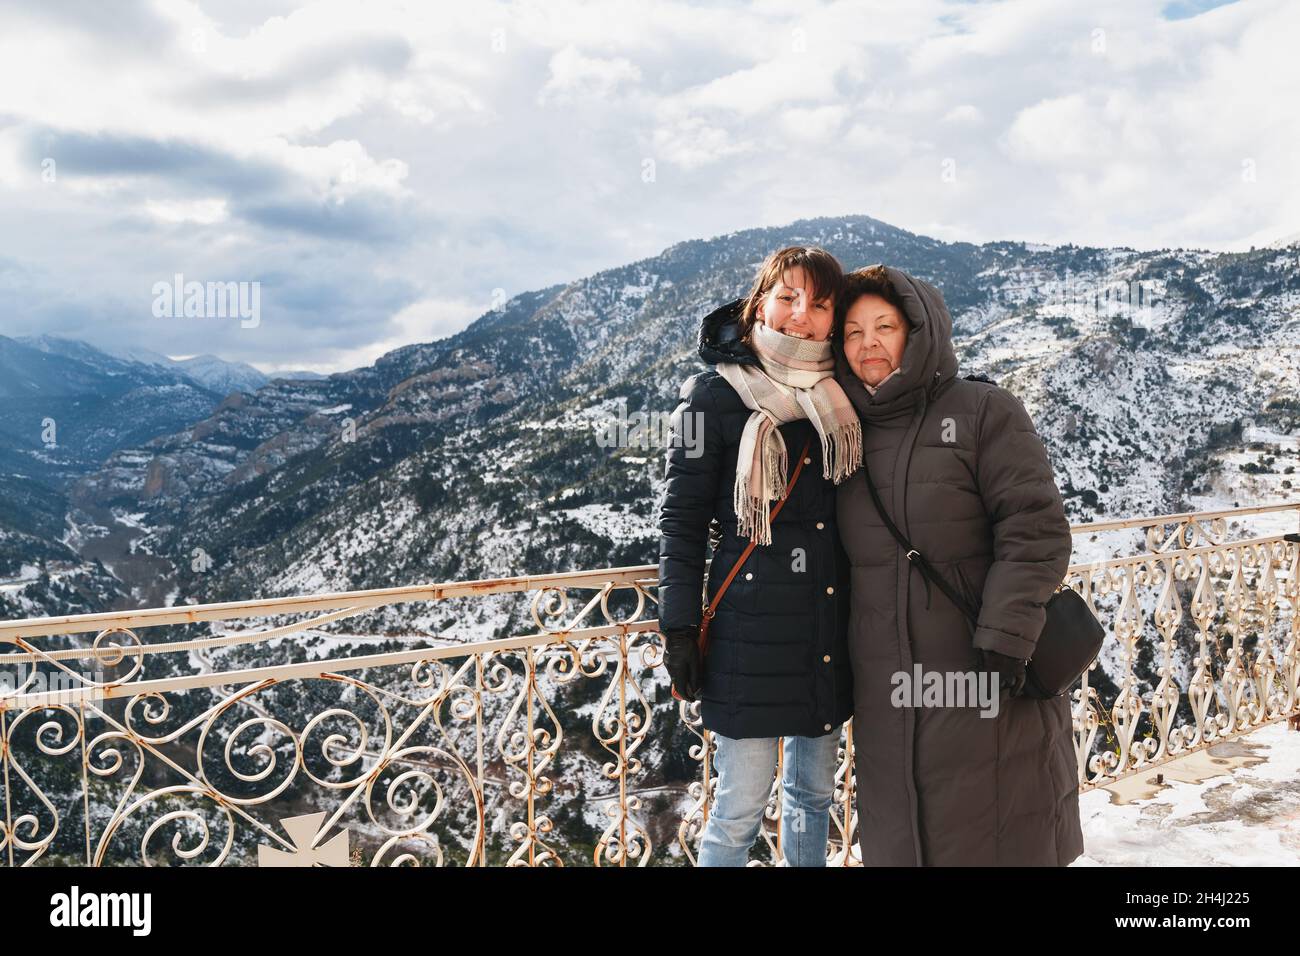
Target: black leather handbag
[{"x": 1068, "y": 644}]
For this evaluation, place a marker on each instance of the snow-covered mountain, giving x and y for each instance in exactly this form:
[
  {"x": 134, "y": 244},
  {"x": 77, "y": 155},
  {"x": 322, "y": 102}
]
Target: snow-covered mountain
[
  {"x": 1160, "y": 380},
  {"x": 209, "y": 371},
  {"x": 225, "y": 377},
  {"x": 222, "y": 376},
  {"x": 65, "y": 406},
  {"x": 1152, "y": 376}
]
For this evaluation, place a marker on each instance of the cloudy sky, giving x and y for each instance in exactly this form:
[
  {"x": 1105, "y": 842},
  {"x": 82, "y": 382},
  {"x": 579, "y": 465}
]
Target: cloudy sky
[{"x": 385, "y": 171}]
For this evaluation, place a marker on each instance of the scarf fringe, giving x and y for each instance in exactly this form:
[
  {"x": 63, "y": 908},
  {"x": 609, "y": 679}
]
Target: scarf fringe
[
  {"x": 842, "y": 452},
  {"x": 754, "y": 514}
]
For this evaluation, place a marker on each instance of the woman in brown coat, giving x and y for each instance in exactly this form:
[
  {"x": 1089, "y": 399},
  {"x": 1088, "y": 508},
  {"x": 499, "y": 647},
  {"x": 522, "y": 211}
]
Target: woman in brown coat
[{"x": 961, "y": 471}]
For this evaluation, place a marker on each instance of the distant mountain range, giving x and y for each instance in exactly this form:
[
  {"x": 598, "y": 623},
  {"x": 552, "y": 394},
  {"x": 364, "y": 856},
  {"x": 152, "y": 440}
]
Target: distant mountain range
[
  {"x": 211, "y": 372},
  {"x": 66, "y": 405}
]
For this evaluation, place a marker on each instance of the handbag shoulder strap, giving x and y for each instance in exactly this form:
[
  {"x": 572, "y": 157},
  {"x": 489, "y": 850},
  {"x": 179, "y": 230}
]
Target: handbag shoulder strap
[
  {"x": 916, "y": 557},
  {"x": 749, "y": 548}
]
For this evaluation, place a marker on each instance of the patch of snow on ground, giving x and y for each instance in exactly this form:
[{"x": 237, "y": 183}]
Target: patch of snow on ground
[
  {"x": 135, "y": 520},
  {"x": 621, "y": 527},
  {"x": 1248, "y": 817},
  {"x": 28, "y": 572}
]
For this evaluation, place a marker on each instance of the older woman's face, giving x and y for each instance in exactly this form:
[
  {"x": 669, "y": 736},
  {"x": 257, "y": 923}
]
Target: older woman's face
[
  {"x": 875, "y": 334},
  {"x": 789, "y": 308}
]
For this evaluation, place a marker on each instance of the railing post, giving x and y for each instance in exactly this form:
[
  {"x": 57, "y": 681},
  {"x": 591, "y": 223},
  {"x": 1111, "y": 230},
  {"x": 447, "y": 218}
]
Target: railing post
[
  {"x": 478, "y": 746},
  {"x": 85, "y": 779},
  {"x": 4, "y": 755}
]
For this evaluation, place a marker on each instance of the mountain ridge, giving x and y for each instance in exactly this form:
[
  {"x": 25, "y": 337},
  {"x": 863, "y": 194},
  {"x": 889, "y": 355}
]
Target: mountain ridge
[{"x": 282, "y": 486}]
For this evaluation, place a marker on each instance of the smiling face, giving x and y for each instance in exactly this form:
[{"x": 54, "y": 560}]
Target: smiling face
[
  {"x": 790, "y": 307},
  {"x": 875, "y": 334}
]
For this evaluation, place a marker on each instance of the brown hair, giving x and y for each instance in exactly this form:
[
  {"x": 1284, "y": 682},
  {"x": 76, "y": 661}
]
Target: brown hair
[
  {"x": 871, "y": 280},
  {"x": 820, "y": 267}
]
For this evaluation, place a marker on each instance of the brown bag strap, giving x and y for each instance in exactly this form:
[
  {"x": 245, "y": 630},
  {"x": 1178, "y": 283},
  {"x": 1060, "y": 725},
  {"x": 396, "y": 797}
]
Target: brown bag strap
[{"x": 749, "y": 549}]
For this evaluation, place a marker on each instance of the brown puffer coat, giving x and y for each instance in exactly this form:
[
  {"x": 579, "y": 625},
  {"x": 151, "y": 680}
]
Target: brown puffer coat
[{"x": 964, "y": 475}]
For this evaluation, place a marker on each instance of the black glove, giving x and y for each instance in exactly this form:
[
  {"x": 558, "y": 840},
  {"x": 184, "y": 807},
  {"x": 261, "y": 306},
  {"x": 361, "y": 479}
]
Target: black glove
[
  {"x": 682, "y": 658},
  {"x": 1010, "y": 671}
]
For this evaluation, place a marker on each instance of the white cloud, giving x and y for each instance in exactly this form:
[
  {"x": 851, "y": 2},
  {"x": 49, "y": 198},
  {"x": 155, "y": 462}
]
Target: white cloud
[
  {"x": 1061, "y": 131},
  {"x": 421, "y": 321},
  {"x": 966, "y": 113},
  {"x": 387, "y": 164},
  {"x": 574, "y": 76},
  {"x": 817, "y": 125},
  {"x": 691, "y": 142},
  {"x": 203, "y": 212},
  {"x": 339, "y": 170}
]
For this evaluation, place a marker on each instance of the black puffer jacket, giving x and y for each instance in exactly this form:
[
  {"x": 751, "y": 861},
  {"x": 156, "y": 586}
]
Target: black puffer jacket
[{"x": 777, "y": 661}]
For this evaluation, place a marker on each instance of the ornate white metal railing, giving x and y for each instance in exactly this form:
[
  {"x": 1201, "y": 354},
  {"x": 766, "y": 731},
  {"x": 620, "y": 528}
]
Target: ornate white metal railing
[
  {"x": 471, "y": 752},
  {"x": 1215, "y": 607}
]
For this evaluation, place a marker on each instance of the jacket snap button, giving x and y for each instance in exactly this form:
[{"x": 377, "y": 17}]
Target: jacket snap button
[
  {"x": 820, "y": 526},
  {"x": 827, "y": 658},
  {"x": 749, "y": 575},
  {"x": 830, "y": 590},
  {"x": 807, "y": 461},
  {"x": 828, "y": 726}
]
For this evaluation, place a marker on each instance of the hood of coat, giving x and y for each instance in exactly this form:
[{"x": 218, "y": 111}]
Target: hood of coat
[
  {"x": 928, "y": 358},
  {"x": 720, "y": 336}
]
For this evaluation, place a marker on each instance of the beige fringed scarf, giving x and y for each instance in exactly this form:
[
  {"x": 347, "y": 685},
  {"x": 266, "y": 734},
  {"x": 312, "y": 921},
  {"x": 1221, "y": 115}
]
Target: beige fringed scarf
[{"x": 796, "y": 380}]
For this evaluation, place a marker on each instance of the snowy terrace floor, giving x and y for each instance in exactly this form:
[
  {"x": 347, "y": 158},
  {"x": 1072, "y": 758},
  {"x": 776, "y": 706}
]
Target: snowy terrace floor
[{"x": 1237, "y": 804}]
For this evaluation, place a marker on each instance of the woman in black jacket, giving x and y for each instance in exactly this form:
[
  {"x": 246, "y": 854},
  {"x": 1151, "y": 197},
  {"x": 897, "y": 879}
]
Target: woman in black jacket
[{"x": 776, "y": 662}]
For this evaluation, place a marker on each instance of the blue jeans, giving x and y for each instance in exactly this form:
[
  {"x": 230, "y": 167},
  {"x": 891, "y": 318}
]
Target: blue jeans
[{"x": 745, "y": 768}]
